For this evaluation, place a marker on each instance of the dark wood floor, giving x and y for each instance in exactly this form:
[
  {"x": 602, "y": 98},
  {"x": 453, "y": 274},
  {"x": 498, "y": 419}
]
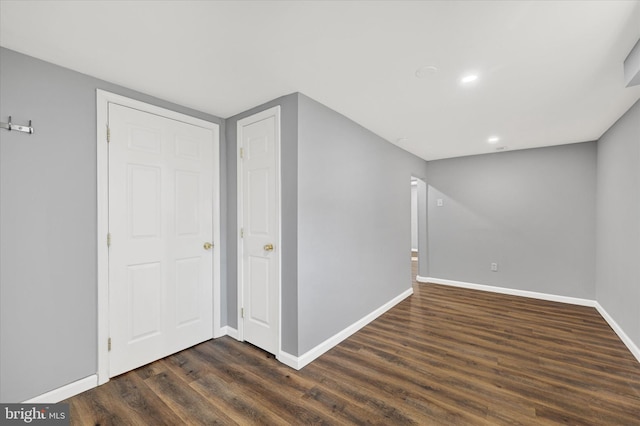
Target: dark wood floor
[{"x": 443, "y": 356}]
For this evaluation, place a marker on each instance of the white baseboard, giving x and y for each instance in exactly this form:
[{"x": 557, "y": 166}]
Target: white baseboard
[
  {"x": 222, "y": 331},
  {"x": 230, "y": 331},
  {"x": 509, "y": 291},
  {"x": 289, "y": 360},
  {"x": 619, "y": 331},
  {"x": 65, "y": 392},
  {"x": 300, "y": 361},
  {"x": 633, "y": 348}
]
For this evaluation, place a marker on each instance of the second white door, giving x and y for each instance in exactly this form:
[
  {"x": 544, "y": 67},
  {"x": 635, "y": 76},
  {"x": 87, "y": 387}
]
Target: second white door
[{"x": 259, "y": 217}]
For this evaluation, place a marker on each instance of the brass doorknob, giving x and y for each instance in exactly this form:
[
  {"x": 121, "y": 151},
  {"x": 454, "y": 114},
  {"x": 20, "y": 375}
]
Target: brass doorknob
[
  {"x": 268, "y": 247},
  {"x": 207, "y": 246}
]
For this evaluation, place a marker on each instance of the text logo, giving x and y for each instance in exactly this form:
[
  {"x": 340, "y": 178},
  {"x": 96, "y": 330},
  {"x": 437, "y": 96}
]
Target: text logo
[{"x": 36, "y": 414}]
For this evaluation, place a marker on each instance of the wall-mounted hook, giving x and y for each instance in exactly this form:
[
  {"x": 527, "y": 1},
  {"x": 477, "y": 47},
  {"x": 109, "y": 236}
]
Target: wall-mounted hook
[{"x": 10, "y": 126}]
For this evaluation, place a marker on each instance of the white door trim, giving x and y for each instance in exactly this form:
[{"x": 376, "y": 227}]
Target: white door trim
[
  {"x": 103, "y": 99},
  {"x": 271, "y": 112}
]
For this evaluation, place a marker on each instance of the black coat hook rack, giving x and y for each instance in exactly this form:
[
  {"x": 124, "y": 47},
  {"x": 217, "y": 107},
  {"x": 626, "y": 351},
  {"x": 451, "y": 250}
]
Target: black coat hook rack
[{"x": 10, "y": 126}]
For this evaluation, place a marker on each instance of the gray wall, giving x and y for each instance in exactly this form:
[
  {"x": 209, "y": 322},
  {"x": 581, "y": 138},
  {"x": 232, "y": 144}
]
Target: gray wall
[
  {"x": 354, "y": 213},
  {"x": 289, "y": 212},
  {"x": 618, "y": 223},
  {"x": 530, "y": 211},
  {"x": 335, "y": 270},
  {"x": 48, "y": 275}
]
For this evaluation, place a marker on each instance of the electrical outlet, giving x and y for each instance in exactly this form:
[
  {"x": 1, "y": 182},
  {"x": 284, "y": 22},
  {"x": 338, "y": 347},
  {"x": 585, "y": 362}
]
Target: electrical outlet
[{"x": 494, "y": 267}]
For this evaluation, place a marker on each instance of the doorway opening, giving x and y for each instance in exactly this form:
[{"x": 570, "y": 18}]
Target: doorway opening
[{"x": 419, "y": 244}]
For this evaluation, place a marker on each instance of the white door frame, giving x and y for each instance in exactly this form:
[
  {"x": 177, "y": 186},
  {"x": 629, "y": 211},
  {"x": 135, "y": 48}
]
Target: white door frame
[
  {"x": 271, "y": 112},
  {"x": 103, "y": 99}
]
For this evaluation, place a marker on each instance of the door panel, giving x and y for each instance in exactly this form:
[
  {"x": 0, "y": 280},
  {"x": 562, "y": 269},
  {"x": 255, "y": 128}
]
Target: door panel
[
  {"x": 188, "y": 275},
  {"x": 160, "y": 215},
  {"x": 258, "y": 182},
  {"x": 258, "y": 296},
  {"x": 187, "y": 203},
  {"x": 143, "y": 190},
  {"x": 144, "y": 300},
  {"x": 258, "y": 137}
]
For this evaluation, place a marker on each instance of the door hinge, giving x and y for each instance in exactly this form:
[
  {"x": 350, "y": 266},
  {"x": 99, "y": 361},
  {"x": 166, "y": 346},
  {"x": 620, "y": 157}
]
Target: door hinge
[
  {"x": 241, "y": 312},
  {"x": 108, "y": 134},
  {"x": 109, "y": 344},
  {"x": 109, "y": 239},
  {"x": 241, "y": 232},
  {"x": 241, "y": 152}
]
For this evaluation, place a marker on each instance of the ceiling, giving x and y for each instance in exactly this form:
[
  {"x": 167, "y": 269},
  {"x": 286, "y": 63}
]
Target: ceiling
[{"x": 549, "y": 73}]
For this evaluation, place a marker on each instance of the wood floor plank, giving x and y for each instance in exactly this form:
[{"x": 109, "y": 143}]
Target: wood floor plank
[
  {"x": 282, "y": 399},
  {"x": 151, "y": 370},
  {"x": 126, "y": 400},
  {"x": 190, "y": 406},
  {"x": 444, "y": 356},
  {"x": 452, "y": 379},
  {"x": 235, "y": 402},
  {"x": 422, "y": 403}
]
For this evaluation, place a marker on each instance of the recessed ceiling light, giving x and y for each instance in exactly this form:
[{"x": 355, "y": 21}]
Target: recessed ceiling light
[
  {"x": 422, "y": 72},
  {"x": 469, "y": 78},
  {"x": 493, "y": 139}
]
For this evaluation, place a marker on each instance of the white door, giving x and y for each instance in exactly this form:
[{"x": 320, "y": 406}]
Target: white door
[
  {"x": 160, "y": 225},
  {"x": 259, "y": 217}
]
